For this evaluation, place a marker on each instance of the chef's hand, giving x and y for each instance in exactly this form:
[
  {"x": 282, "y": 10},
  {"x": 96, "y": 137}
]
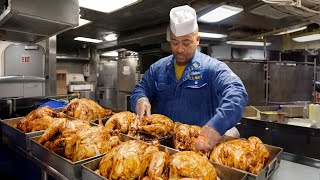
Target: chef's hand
[
  {"x": 143, "y": 107},
  {"x": 207, "y": 138}
]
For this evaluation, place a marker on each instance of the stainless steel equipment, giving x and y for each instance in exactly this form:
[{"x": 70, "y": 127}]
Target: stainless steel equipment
[
  {"x": 107, "y": 84},
  {"x": 22, "y": 71},
  {"x": 128, "y": 76},
  {"x": 36, "y": 20},
  {"x": 76, "y": 83}
]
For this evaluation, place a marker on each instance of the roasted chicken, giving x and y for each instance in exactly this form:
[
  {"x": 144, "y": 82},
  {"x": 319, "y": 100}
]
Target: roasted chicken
[
  {"x": 156, "y": 125},
  {"x": 120, "y": 122},
  {"x": 189, "y": 164},
  {"x": 132, "y": 160},
  {"x": 248, "y": 155},
  {"x": 37, "y": 120},
  {"x": 184, "y": 136},
  {"x": 77, "y": 140},
  {"x": 85, "y": 109}
]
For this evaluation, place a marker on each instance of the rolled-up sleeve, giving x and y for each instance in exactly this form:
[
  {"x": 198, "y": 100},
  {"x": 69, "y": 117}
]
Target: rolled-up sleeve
[
  {"x": 146, "y": 88},
  {"x": 232, "y": 98}
]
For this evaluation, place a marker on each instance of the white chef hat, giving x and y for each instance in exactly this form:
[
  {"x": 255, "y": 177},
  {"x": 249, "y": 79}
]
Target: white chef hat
[{"x": 183, "y": 20}]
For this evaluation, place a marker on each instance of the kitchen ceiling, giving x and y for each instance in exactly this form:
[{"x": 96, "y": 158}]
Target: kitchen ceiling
[{"x": 143, "y": 25}]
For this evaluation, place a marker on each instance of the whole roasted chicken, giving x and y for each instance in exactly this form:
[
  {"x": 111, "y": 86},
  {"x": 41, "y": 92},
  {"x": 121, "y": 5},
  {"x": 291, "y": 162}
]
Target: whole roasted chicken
[
  {"x": 134, "y": 160},
  {"x": 156, "y": 125},
  {"x": 189, "y": 164},
  {"x": 85, "y": 109},
  {"x": 36, "y": 120},
  {"x": 248, "y": 155},
  {"x": 120, "y": 122},
  {"x": 76, "y": 140},
  {"x": 184, "y": 136}
]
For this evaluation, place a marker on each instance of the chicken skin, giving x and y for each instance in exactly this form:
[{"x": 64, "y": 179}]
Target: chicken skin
[
  {"x": 184, "y": 136},
  {"x": 156, "y": 125},
  {"x": 120, "y": 122},
  {"x": 133, "y": 160},
  {"x": 189, "y": 164},
  {"x": 85, "y": 109},
  {"x": 77, "y": 140},
  {"x": 248, "y": 155},
  {"x": 36, "y": 120}
]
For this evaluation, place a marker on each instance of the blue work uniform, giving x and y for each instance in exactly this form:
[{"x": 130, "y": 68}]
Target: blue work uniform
[{"x": 207, "y": 93}]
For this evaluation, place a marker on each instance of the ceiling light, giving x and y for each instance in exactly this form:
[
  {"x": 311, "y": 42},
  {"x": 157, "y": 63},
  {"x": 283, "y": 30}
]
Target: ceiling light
[
  {"x": 220, "y": 13},
  {"x": 247, "y": 43},
  {"x": 212, "y": 35},
  {"x": 111, "y": 37},
  {"x": 306, "y": 38},
  {"x": 88, "y": 40},
  {"x": 82, "y": 22},
  {"x": 292, "y": 30},
  {"x": 110, "y": 53},
  {"x": 106, "y": 6}
]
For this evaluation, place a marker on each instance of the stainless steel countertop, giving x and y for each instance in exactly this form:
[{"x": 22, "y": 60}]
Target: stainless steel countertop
[{"x": 294, "y": 171}]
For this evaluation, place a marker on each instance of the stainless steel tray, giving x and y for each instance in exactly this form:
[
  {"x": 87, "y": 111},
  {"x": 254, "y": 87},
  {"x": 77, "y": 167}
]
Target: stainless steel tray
[
  {"x": 72, "y": 170},
  {"x": 270, "y": 167},
  {"x": 223, "y": 172},
  {"x": 11, "y": 134}
]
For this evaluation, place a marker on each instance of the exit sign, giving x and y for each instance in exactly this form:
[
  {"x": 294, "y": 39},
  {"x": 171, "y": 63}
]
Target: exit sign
[{"x": 25, "y": 59}]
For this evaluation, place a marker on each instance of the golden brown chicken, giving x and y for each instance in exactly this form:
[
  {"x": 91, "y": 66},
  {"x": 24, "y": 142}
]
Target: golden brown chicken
[
  {"x": 85, "y": 109},
  {"x": 248, "y": 155},
  {"x": 132, "y": 160},
  {"x": 77, "y": 140},
  {"x": 189, "y": 164},
  {"x": 156, "y": 125},
  {"x": 184, "y": 136},
  {"x": 120, "y": 122},
  {"x": 36, "y": 120},
  {"x": 90, "y": 142}
]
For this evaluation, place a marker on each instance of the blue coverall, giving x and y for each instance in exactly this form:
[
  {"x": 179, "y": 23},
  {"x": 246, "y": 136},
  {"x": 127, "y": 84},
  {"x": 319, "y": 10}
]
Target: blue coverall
[{"x": 207, "y": 93}]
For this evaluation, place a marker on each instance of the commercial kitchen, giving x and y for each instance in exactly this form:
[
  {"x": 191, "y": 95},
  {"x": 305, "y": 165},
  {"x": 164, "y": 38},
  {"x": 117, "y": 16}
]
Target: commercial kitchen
[{"x": 62, "y": 62}]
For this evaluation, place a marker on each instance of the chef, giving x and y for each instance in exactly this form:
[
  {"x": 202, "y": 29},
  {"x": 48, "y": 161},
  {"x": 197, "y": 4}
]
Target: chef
[{"x": 191, "y": 87}]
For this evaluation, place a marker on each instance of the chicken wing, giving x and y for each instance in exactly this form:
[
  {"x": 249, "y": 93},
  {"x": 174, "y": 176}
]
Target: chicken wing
[{"x": 184, "y": 136}]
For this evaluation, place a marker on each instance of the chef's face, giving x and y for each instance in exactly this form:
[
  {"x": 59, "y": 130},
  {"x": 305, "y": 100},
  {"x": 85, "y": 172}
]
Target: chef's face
[{"x": 184, "y": 47}]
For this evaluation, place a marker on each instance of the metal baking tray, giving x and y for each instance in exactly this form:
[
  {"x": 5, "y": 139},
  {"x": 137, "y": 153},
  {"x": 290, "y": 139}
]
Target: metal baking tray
[
  {"x": 223, "y": 172},
  {"x": 12, "y": 135},
  {"x": 70, "y": 169},
  {"x": 270, "y": 167}
]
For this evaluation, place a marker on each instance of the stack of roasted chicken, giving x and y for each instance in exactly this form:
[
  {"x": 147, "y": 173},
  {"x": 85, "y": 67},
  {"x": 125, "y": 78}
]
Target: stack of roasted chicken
[
  {"x": 138, "y": 160},
  {"x": 156, "y": 126},
  {"x": 249, "y": 155}
]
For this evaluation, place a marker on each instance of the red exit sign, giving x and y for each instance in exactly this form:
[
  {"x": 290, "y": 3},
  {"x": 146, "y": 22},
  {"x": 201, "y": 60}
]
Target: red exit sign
[{"x": 25, "y": 59}]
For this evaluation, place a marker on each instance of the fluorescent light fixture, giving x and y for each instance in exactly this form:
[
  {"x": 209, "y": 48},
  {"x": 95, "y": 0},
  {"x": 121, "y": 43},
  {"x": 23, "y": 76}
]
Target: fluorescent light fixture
[
  {"x": 111, "y": 37},
  {"x": 82, "y": 22},
  {"x": 88, "y": 40},
  {"x": 292, "y": 30},
  {"x": 220, "y": 13},
  {"x": 306, "y": 38},
  {"x": 110, "y": 53},
  {"x": 106, "y": 6},
  {"x": 248, "y": 43},
  {"x": 212, "y": 35}
]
